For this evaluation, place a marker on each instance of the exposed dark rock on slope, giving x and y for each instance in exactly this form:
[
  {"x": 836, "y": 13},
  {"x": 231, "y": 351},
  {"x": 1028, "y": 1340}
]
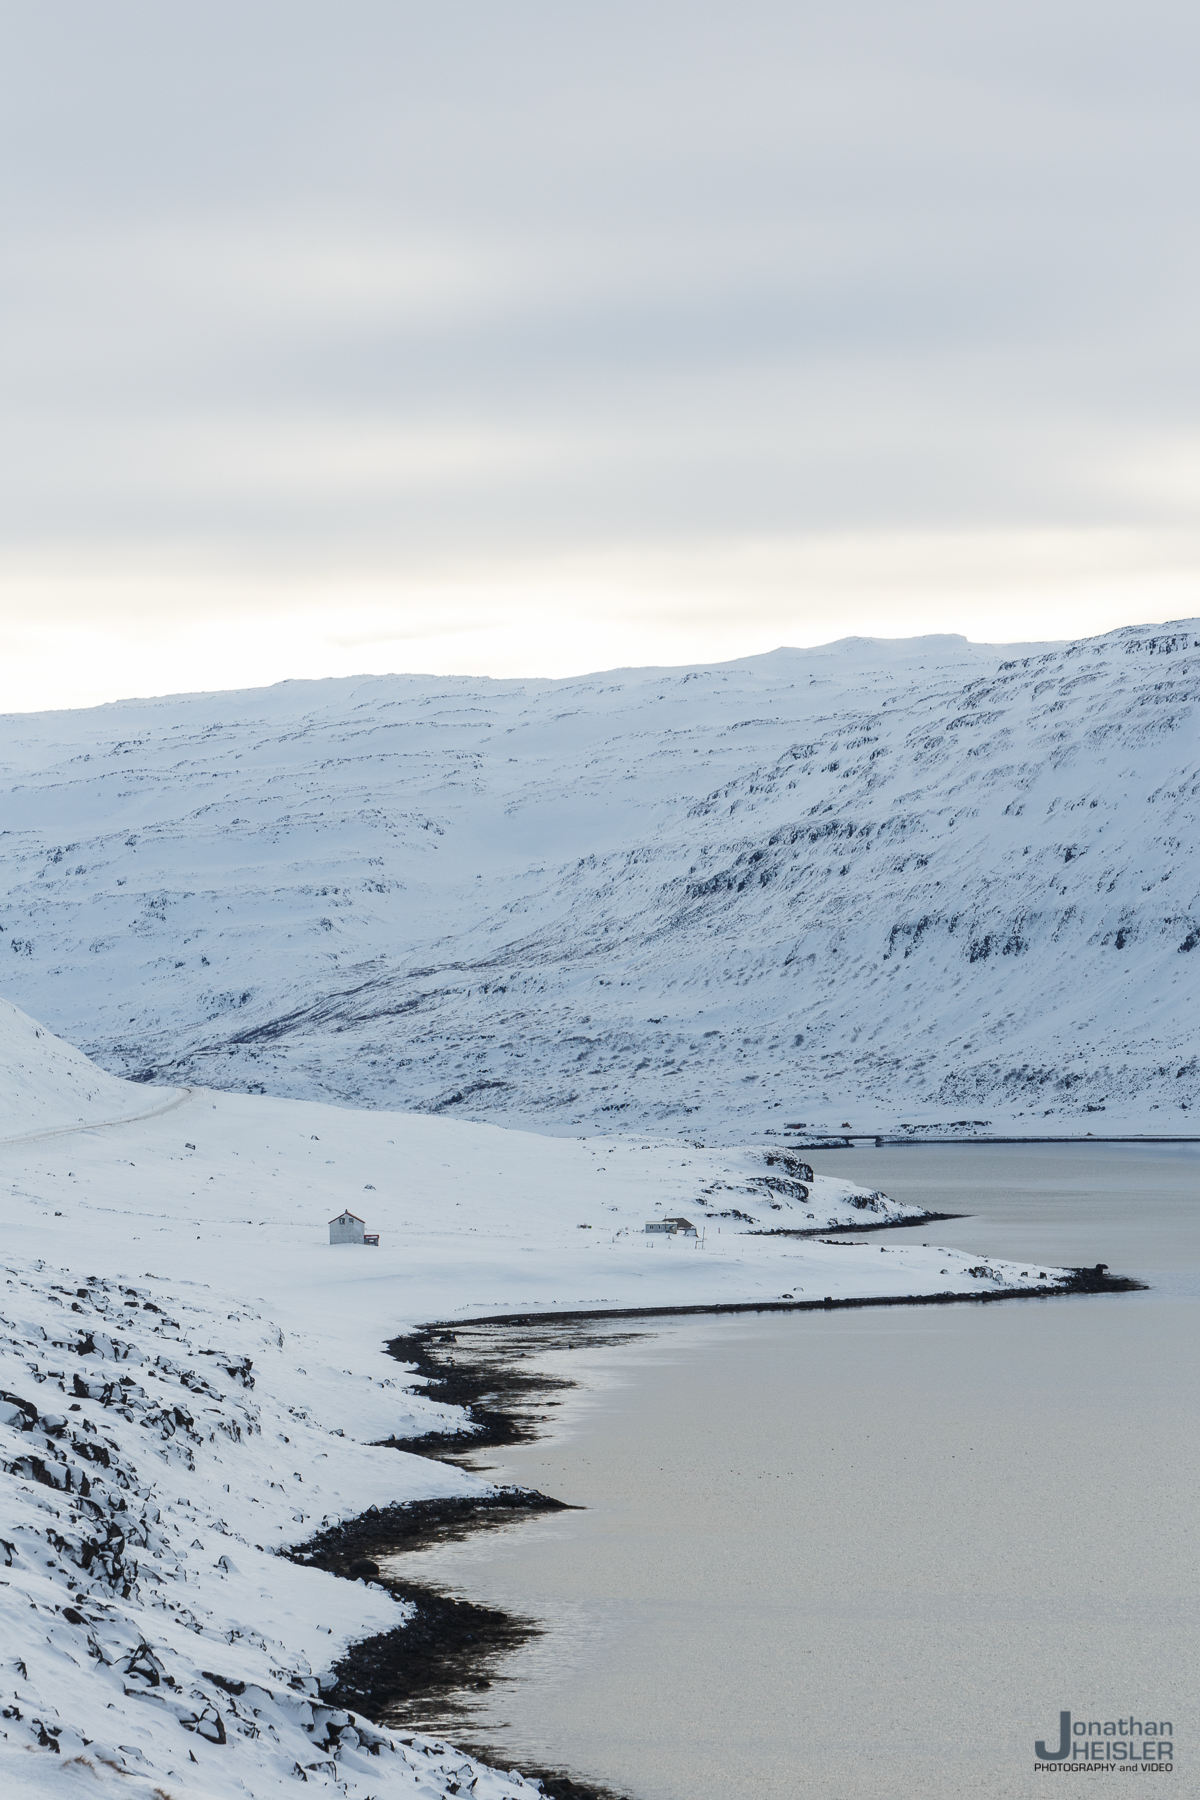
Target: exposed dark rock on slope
[{"x": 924, "y": 881}]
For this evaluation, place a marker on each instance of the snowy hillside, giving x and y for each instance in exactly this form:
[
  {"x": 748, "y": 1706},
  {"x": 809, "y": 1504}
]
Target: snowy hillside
[
  {"x": 193, "y": 1379},
  {"x": 49, "y": 1085},
  {"x": 922, "y": 882}
]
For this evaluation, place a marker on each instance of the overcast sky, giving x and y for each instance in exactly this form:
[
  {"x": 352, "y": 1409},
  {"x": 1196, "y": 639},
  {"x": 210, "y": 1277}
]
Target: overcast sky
[{"x": 531, "y": 336}]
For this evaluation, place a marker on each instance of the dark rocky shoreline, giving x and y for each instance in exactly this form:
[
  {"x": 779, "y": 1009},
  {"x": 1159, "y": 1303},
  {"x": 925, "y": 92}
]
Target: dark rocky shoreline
[
  {"x": 816, "y": 1231},
  {"x": 447, "y": 1643},
  {"x": 452, "y": 1648},
  {"x": 421, "y": 1676},
  {"x": 1083, "y": 1281}
]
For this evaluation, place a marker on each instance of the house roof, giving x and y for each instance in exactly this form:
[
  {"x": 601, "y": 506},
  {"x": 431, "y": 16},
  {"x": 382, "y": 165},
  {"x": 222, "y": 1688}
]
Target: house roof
[
  {"x": 347, "y": 1215},
  {"x": 686, "y": 1222}
]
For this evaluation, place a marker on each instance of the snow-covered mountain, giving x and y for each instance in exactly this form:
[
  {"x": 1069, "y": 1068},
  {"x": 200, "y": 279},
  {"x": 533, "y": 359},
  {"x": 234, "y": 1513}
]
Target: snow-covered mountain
[{"x": 915, "y": 882}]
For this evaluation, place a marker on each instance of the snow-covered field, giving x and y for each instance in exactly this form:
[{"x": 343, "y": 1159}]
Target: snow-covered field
[
  {"x": 925, "y": 883},
  {"x": 193, "y": 1378}
]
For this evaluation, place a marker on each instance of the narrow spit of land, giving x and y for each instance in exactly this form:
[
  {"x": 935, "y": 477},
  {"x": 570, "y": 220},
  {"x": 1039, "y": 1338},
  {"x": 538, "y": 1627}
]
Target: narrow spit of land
[
  {"x": 886, "y": 1141},
  {"x": 1083, "y": 1281},
  {"x": 825, "y": 1231}
]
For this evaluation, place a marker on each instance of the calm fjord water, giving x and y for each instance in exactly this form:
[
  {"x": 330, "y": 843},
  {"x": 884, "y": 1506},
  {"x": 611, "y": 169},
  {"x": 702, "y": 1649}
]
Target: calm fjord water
[{"x": 875, "y": 1553}]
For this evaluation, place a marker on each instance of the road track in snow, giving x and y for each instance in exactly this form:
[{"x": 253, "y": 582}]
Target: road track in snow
[{"x": 155, "y": 1112}]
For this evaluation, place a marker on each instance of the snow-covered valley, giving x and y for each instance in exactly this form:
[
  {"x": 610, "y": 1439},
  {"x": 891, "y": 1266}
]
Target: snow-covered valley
[
  {"x": 920, "y": 883},
  {"x": 192, "y": 1379},
  {"x": 509, "y": 971}
]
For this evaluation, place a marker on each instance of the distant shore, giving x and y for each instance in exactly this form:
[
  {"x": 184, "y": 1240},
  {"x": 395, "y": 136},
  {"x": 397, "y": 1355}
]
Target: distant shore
[{"x": 886, "y": 1140}]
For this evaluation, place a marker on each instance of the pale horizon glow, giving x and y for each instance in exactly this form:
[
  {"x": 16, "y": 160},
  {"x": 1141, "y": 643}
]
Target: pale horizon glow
[
  {"x": 555, "y": 342},
  {"x": 222, "y": 641}
]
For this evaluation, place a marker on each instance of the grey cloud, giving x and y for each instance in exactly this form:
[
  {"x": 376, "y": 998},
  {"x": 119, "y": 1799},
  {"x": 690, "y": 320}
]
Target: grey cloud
[{"x": 658, "y": 273}]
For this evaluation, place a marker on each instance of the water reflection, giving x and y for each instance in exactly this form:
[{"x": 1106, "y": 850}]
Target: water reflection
[{"x": 874, "y": 1552}]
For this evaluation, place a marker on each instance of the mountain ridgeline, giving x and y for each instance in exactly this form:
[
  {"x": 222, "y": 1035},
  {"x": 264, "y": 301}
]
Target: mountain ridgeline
[{"x": 920, "y": 882}]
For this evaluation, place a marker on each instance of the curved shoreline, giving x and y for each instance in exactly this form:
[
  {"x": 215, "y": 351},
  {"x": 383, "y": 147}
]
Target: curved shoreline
[
  {"x": 1083, "y": 1281},
  {"x": 452, "y": 1647},
  {"x": 448, "y": 1646}
]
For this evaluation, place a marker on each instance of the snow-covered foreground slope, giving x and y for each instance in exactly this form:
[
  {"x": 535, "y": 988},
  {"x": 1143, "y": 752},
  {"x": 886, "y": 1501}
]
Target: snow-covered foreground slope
[
  {"x": 157, "y": 1445},
  {"x": 473, "y": 1220},
  {"x": 920, "y": 882},
  {"x": 192, "y": 1379},
  {"x": 48, "y": 1085}
]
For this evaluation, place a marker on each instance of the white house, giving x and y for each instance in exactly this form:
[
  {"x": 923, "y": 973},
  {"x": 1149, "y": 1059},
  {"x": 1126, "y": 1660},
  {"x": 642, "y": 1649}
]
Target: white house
[
  {"x": 673, "y": 1227},
  {"x": 348, "y": 1228}
]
